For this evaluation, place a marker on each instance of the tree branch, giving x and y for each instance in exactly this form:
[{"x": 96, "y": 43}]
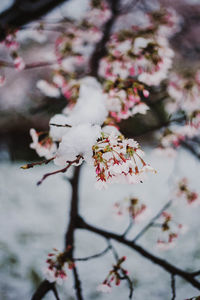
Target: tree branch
[
  {"x": 156, "y": 260},
  {"x": 70, "y": 163},
  {"x": 23, "y": 12},
  {"x": 43, "y": 289},
  {"x": 189, "y": 147},
  {"x": 173, "y": 287},
  {"x": 93, "y": 256},
  {"x": 69, "y": 237}
]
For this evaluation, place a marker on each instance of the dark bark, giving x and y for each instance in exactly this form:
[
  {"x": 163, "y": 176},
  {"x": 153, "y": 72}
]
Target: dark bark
[
  {"x": 23, "y": 12},
  {"x": 43, "y": 289},
  {"x": 69, "y": 237}
]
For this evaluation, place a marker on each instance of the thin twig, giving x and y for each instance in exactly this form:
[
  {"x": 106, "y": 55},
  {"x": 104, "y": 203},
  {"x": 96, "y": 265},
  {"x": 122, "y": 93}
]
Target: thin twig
[
  {"x": 129, "y": 227},
  {"x": 39, "y": 163},
  {"x": 167, "y": 205},
  {"x": 94, "y": 256},
  {"x": 70, "y": 163}
]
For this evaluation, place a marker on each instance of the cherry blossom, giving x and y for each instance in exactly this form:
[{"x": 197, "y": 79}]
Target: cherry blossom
[
  {"x": 170, "y": 230},
  {"x": 186, "y": 193},
  {"x": 114, "y": 275},
  {"x": 45, "y": 146},
  {"x": 124, "y": 98},
  {"x": 117, "y": 159},
  {"x": 57, "y": 264},
  {"x": 131, "y": 207}
]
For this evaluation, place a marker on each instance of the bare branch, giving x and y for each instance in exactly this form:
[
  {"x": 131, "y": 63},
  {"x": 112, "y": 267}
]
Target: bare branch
[
  {"x": 93, "y": 256},
  {"x": 70, "y": 163},
  {"x": 129, "y": 227},
  {"x": 39, "y": 163}
]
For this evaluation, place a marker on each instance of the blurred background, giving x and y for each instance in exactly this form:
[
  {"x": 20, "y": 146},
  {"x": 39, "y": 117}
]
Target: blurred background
[{"x": 33, "y": 219}]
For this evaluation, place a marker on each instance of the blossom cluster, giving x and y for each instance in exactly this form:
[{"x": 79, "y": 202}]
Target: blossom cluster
[
  {"x": 117, "y": 159},
  {"x": 184, "y": 91},
  {"x": 115, "y": 275},
  {"x": 56, "y": 266},
  {"x": 42, "y": 144},
  {"x": 78, "y": 132},
  {"x": 12, "y": 45},
  {"x": 124, "y": 98},
  {"x": 166, "y": 22},
  {"x": 73, "y": 49},
  {"x": 143, "y": 53},
  {"x": 186, "y": 193},
  {"x": 172, "y": 137},
  {"x": 132, "y": 207},
  {"x": 170, "y": 230}
]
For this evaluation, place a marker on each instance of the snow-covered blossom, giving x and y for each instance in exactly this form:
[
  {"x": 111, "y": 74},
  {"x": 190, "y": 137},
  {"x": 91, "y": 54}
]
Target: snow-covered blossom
[
  {"x": 57, "y": 132},
  {"x": 42, "y": 144},
  {"x": 48, "y": 89},
  {"x": 117, "y": 159},
  {"x": 90, "y": 106},
  {"x": 78, "y": 141}
]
